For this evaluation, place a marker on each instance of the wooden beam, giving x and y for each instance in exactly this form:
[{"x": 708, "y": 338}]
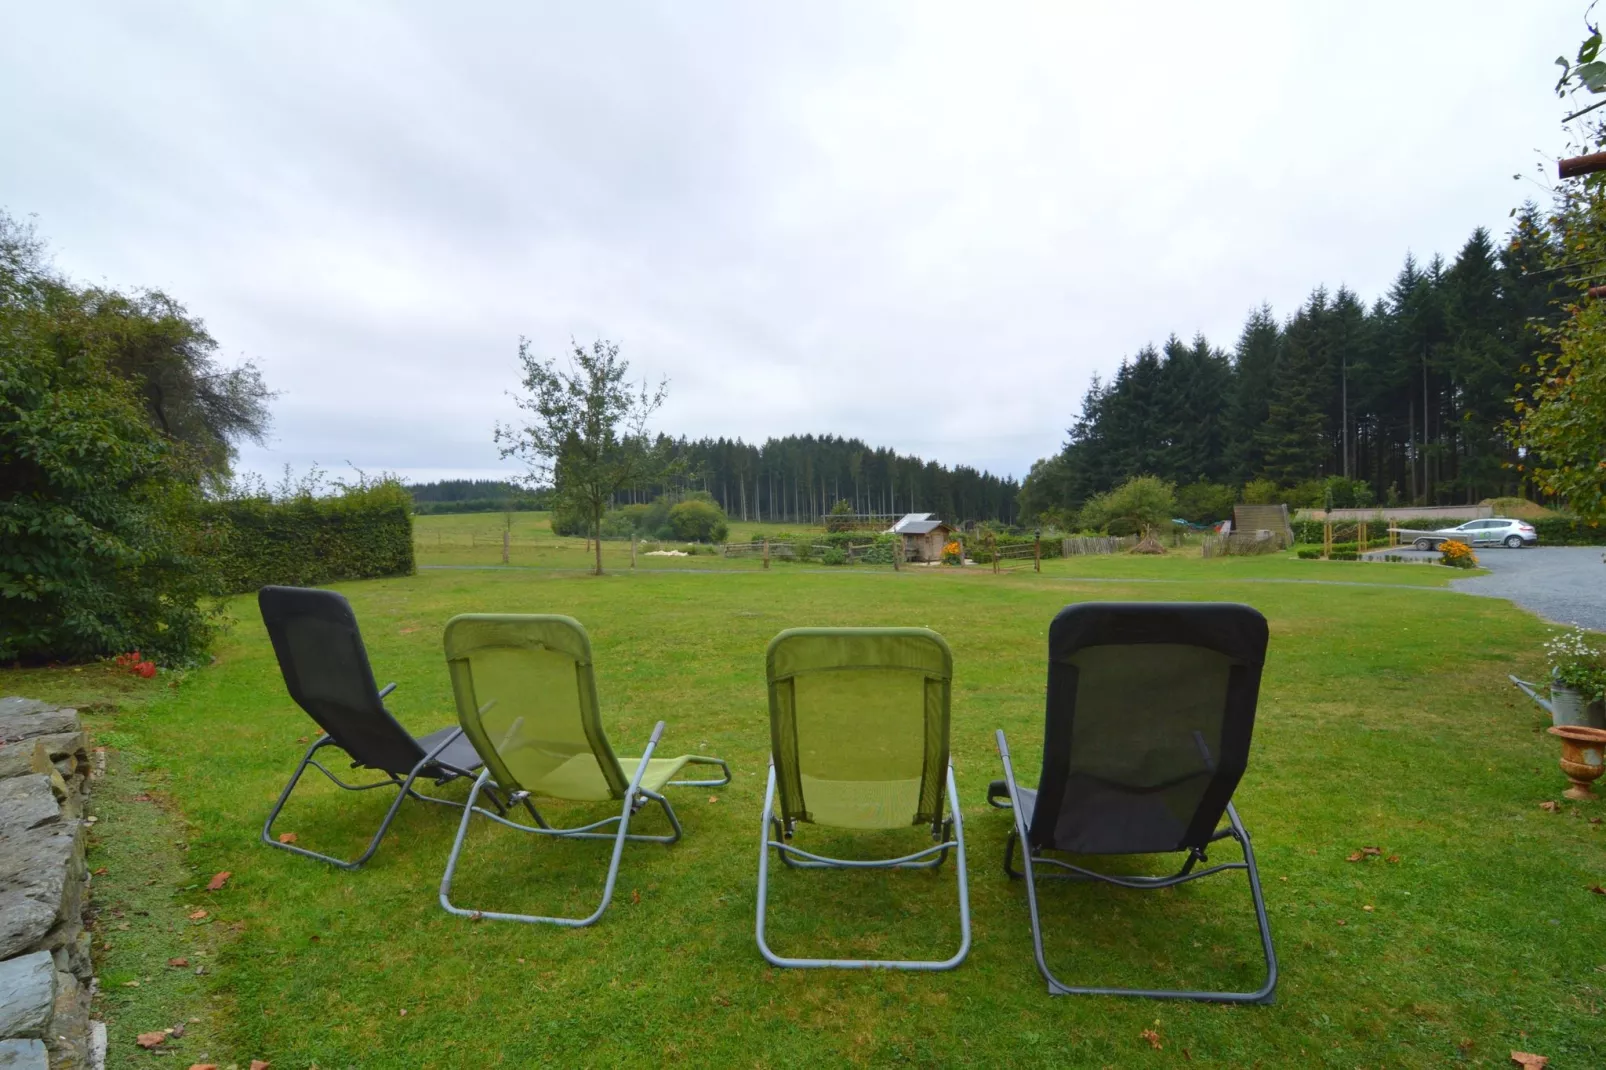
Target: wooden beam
[{"x": 1581, "y": 165}]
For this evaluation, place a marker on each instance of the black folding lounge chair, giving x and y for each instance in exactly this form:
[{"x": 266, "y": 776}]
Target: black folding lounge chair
[
  {"x": 1150, "y": 709},
  {"x": 326, "y": 670}
]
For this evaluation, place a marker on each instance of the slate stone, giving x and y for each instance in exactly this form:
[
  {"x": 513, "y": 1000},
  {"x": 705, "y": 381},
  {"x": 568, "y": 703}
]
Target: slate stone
[
  {"x": 23, "y": 1055},
  {"x": 69, "y": 1025},
  {"x": 42, "y": 874},
  {"x": 27, "y": 802},
  {"x": 22, "y": 718},
  {"x": 27, "y": 994}
]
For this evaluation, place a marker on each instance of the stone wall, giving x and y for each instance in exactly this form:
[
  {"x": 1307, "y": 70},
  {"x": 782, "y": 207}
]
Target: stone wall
[{"x": 45, "y": 969}]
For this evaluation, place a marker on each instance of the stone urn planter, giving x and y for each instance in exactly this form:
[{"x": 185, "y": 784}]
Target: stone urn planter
[
  {"x": 1565, "y": 706},
  {"x": 1581, "y": 758}
]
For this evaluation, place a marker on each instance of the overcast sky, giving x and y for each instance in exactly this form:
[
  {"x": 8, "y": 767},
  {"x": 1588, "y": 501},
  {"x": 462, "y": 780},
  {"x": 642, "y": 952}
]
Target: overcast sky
[{"x": 924, "y": 225}]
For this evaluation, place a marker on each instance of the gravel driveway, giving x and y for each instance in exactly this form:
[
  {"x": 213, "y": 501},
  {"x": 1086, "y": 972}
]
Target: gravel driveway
[{"x": 1565, "y": 584}]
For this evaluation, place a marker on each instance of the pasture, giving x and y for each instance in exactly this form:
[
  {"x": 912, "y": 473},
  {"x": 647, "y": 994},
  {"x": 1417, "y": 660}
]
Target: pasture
[{"x": 1385, "y": 721}]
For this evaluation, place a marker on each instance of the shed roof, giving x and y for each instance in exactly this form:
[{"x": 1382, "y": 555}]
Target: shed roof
[{"x": 918, "y": 524}]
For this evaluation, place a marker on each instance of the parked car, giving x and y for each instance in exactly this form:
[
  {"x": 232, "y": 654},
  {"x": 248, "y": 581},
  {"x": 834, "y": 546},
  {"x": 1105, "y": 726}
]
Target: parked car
[{"x": 1495, "y": 531}]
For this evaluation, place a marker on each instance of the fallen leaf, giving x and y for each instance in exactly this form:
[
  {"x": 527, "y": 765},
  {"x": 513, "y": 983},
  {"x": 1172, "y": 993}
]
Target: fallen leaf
[
  {"x": 1594, "y": 821},
  {"x": 143, "y": 796},
  {"x": 197, "y": 915},
  {"x": 1529, "y": 1060},
  {"x": 178, "y": 962},
  {"x": 101, "y": 872},
  {"x": 403, "y": 1013},
  {"x": 1356, "y": 857},
  {"x": 218, "y": 880},
  {"x": 259, "y": 1064},
  {"x": 150, "y": 1040},
  {"x": 287, "y": 837},
  {"x": 203, "y": 1066},
  {"x": 1367, "y": 908},
  {"x": 1341, "y": 921},
  {"x": 1392, "y": 858},
  {"x": 320, "y": 732},
  {"x": 1152, "y": 1037},
  {"x": 130, "y": 984},
  {"x": 1598, "y": 890},
  {"x": 713, "y": 798},
  {"x": 1464, "y": 1047},
  {"x": 635, "y": 895},
  {"x": 1372, "y": 850},
  {"x": 1551, "y": 806}
]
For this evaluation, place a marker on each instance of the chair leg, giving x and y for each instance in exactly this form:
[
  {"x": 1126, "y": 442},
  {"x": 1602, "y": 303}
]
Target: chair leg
[
  {"x": 1056, "y": 987},
  {"x": 632, "y": 801},
  {"x": 404, "y": 786},
  {"x": 820, "y": 862}
]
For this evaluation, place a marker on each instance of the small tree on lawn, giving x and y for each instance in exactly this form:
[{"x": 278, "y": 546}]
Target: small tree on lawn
[
  {"x": 585, "y": 430},
  {"x": 1140, "y": 504}
]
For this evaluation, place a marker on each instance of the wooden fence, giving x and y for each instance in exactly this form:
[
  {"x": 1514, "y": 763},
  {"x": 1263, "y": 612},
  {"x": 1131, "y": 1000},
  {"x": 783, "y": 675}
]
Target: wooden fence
[{"x": 1078, "y": 545}]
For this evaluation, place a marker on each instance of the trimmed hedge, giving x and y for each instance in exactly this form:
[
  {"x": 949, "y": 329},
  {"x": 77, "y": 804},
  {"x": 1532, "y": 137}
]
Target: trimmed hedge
[
  {"x": 480, "y": 505},
  {"x": 1568, "y": 531},
  {"x": 365, "y": 533}
]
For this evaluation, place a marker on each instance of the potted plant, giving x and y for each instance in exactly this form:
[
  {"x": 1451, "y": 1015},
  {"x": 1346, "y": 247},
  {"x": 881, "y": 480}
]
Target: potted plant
[{"x": 1577, "y": 681}]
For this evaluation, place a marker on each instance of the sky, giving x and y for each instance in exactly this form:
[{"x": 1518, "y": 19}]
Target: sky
[{"x": 926, "y": 225}]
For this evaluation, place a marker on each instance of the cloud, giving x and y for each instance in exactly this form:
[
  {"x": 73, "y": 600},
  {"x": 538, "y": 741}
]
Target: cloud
[{"x": 924, "y": 225}]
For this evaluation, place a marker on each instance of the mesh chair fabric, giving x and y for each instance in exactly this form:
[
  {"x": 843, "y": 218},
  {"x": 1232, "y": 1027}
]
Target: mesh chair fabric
[
  {"x": 1149, "y": 714},
  {"x": 527, "y": 698},
  {"x": 325, "y": 668},
  {"x": 859, "y": 725}
]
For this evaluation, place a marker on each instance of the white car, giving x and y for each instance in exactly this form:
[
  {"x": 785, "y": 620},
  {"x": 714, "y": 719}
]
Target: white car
[{"x": 1495, "y": 531}]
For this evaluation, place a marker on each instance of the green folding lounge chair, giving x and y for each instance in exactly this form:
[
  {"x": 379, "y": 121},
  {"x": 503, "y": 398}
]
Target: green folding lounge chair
[
  {"x": 527, "y": 700},
  {"x": 859, "y": 740}
]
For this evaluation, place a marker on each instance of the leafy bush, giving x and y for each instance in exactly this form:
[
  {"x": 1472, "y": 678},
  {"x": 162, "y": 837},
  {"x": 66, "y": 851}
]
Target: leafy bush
[
  {"x": 569, "y": 519},
  {"x": 835, "y": 521},
  {"x": 366, "y": 531},
  {"x": 1262, "y": 492},
  {"x": 834, "y": 556},
  {"x": 698, "y": 521},
  {"x": 1138, "y": 504},
  {"x": 97, "y": 555},
  {"x": 1569, "y": 531}
]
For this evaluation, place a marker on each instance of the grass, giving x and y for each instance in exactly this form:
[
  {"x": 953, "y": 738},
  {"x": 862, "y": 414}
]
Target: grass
[{"x": 1385, "y": 720}]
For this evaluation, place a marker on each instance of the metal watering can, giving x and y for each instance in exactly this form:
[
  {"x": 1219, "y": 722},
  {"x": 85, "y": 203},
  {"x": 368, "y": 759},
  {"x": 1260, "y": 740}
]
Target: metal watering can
[{"x": 1565, "y": 706}]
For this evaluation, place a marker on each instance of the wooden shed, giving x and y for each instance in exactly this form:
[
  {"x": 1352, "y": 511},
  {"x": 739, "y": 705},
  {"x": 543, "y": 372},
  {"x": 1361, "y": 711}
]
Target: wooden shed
[{"x": 924, "y": 536}]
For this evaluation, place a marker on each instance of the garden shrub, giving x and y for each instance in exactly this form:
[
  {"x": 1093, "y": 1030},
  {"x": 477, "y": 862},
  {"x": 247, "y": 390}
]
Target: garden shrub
[
  {"x": 1457, "y": 555},
  {"x": 698, "y": 521},
  {"x": 97, "y": 552},
  {"x": 834, "y": 555},
  {"x": 362, "y": 533}
]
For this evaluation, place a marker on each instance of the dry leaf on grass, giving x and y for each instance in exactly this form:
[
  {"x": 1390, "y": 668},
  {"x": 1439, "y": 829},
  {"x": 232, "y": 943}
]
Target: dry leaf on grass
[
  {"x": 403, "y": 1013},
  {"x": 101, "y": 872},
  {"x": 178, "y": 962},
  {"x": 197, "y": 915},
  {"x": 635, "y": 895},
  {"x": 301, "y": 739},
  {"x": 218, "y": 880},
  {"x": 287, "y": 837},
  {"x": 1152, "y": 1037},
  {"x": 713, "y": 798},
  {"x": 150, "y": 1040},
  {"x": 203, "y": 1066},
  {"x": 1368, "y": 908},
  {"x": 1529, "y": 1060},
  {"x": 1371, "y": 850},
  {"x": 1597, "y": 889},
  {"x": 1392, "y": 858},
  {"x": 259, "y": 1064},
  {"x": 1550, "y": 806},
  {"x": 1356, "y": 857}
]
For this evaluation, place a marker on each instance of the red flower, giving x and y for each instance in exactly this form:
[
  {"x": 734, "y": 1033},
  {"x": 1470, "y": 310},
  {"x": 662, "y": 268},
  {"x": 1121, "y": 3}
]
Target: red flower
[{"x": 145, "y": 669}]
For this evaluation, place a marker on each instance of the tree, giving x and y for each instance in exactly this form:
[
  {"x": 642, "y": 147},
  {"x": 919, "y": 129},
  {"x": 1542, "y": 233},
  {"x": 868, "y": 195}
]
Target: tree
[
  {"x": 98, "y": 554},
  {"x": 1562, "y": 424},
  {"x": 1138, "y": 505},
  {"x": 695, "y": 520},
  {"x": 585, "y": 431}
]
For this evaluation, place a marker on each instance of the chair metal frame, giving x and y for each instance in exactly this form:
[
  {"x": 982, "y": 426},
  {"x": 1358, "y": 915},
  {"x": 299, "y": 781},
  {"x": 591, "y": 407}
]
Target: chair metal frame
[
  {"x": 1196, "y": 855},
  {"x": 443, "y": 774},
  {"x": 797, "y": 858},
  {"x": 635, "y": 798}
]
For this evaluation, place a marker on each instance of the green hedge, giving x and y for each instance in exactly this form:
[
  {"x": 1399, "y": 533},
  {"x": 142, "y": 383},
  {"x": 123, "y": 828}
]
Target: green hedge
[
  {"x": 1568, "y": 531},
  {"x": 364, "y": 533},
  {"x": 480, "y": 505}
]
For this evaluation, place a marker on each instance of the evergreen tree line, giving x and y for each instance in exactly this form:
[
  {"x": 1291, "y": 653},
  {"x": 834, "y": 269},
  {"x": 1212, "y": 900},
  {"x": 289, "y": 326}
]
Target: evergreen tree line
[
  {"x": 1409, "y": 397},
  {"x": 799, "y": 478}
]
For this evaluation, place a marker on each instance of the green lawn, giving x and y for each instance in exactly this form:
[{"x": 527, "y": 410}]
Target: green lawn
[{"x": 1385, "y": 721}]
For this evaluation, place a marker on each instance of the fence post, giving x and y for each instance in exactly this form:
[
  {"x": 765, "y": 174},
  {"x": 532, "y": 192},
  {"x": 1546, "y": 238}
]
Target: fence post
[
  {"x": 1327, "y": 539},
  {"x": 766, "y": 553},
  {"x": 897, "y": 552},
  {"x": 1037, "y": 551},
  {"x": 992, "y": 547},
  {"x": 632, "y": 549},
  {"x": 1360, "y": 538}
]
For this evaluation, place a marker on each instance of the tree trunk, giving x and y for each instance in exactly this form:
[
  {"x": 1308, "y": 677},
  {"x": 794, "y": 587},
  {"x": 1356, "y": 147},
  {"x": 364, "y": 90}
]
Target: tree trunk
[{"x": 597, "y": 528}]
